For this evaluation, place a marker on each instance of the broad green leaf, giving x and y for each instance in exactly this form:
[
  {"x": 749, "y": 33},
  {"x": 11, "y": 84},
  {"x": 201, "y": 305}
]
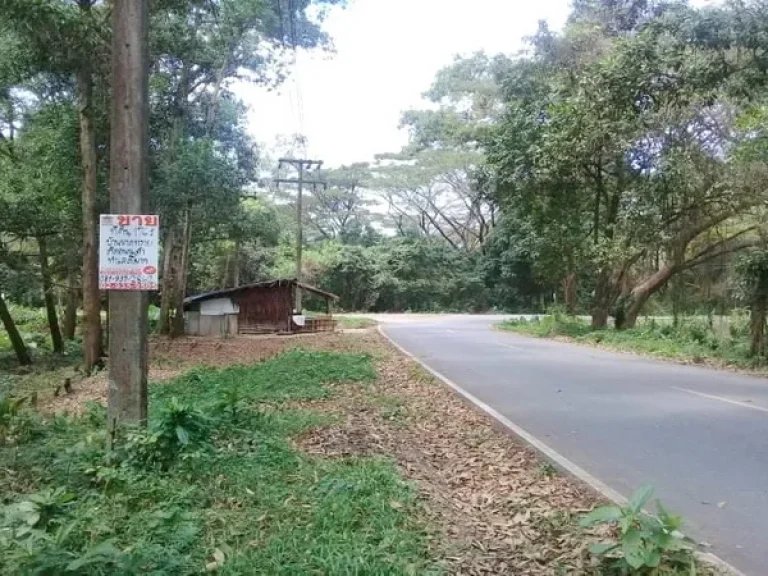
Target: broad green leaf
[
  {"x": 182, "y": 435},
  {"x": 601, "y": 548},
  {"x": 602, "y": 515},
  {"x": 633, "y": 549},
  {"x": 653, "y": 558},
  {"x": 29, "y": 512},
  {"x": 625, "y": 523},
  {"x": 640, "y": 497},
  {"x": 94, "y": 555}
]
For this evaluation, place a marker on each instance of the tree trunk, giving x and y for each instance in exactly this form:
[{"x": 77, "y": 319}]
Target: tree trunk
[
  {"x": 13, "y": 333},
  {"x": 602, "y": 301},
  {"x": 236, "y": 272},
  {"x": 570, "y": 283},
  {"x": 167, "y": 291},
  {"x": 48, "y": 298},
  {"x": 642, "y": 292},
  {"x": 225, "y": 275},
  {"x": 70, "y": 309},
  {"x": 174, "y": 244},
  {"x": 92, "y": 345},
  {"x": 757, "y": 325},
  {"x": 177, "y": 324}
]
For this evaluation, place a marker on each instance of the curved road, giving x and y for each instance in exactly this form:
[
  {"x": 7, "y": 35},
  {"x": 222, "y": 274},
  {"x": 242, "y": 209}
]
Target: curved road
[{"x": 699, "y": 436}]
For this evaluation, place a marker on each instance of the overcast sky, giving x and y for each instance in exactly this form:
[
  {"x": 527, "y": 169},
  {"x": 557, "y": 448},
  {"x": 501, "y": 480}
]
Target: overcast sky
[{"x": 348, "y": 104}]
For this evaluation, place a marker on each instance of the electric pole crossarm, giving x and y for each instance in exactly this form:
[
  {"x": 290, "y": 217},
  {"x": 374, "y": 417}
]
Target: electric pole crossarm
[
  {"x": 297, "y": 181},
  {"x": 301, "y": 161}
]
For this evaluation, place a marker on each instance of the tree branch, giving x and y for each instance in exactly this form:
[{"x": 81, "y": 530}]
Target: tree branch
[{"x": 711, "y": 252}]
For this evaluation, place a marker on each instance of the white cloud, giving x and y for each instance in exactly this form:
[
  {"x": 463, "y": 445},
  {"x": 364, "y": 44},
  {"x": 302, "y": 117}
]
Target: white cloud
[{"x": 388, "y": 52}]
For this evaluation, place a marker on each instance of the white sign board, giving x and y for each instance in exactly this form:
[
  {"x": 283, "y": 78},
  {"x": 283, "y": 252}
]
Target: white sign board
[{"x": 128, "y": 247}]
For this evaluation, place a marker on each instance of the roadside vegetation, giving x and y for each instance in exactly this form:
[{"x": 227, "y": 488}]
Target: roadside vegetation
[
  {"x": 718, "y": 341},
  {"x": 329, "y": 454},
  {"x": 617, "y": 166},
  {"x": 355, "y": 322},
  {"x": 213, "y": 484}
]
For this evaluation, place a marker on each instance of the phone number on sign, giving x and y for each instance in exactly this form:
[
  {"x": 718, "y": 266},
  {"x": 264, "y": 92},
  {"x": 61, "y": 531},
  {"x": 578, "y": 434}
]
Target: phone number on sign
[{"x": 128, "y": 286}]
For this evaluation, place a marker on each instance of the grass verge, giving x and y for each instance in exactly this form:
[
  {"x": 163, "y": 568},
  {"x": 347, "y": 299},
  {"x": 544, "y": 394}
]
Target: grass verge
[
  {"x": 694, "y": 341},
  {"x": 214, "y": 485},
  {"x": 355, "y": 322}
]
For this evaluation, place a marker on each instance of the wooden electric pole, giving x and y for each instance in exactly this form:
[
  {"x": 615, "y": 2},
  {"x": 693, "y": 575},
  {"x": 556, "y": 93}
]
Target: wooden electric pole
[
  {"x": 302, "y": 167},
  {"x": 128, "y": 186}
]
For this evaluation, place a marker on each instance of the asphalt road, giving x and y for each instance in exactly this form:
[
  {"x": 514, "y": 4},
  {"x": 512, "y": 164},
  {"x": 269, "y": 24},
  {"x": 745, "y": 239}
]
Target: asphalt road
[{"x": 699, "y": 436}]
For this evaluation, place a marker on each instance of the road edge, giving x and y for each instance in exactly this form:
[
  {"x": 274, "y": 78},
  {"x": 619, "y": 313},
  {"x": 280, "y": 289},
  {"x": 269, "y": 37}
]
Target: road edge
[{"x": 543, "y": 449}]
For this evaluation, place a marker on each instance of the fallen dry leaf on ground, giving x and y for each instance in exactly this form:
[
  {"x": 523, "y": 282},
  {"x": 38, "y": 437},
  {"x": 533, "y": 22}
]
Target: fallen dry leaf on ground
[{"x": 492, "y": 507}]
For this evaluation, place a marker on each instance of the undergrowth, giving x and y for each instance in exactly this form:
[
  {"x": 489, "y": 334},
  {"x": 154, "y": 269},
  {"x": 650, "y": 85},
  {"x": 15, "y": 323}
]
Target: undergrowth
[
  {"x": 355, "y": 322},
  {"x": 213, "y": 484},
  {"x": 695, "y": 340}
]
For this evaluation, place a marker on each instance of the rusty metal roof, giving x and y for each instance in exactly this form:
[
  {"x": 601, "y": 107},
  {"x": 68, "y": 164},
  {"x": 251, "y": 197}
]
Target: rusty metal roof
[{"x": 268, "y": 284}]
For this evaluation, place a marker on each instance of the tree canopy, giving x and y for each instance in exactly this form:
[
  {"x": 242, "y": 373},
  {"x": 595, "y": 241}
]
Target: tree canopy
[{"x": 607, "y": 167}]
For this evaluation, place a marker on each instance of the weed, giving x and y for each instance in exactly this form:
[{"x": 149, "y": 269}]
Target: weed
[
  {"x": 355, "y": 322},
  {"x": 391, "y": 408},
  {"x": 695, "y": 340},
  {"x": 646, "y": 544},
  {"x": 214, "y": 482},
  {"x": 9, "y": 411},
  {"x": 547, "y": 469},
  {"x": 421, "y": 375}
]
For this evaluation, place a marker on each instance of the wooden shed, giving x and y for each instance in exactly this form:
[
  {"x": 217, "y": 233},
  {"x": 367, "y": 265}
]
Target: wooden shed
[{"x": 263, "y": 308}]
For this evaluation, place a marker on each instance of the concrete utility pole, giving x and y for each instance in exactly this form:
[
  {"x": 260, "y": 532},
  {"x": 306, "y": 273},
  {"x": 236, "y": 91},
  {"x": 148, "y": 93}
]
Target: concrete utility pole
[
  {"x": 301, "y": 166},
  {"x": 128, "y": 186}
]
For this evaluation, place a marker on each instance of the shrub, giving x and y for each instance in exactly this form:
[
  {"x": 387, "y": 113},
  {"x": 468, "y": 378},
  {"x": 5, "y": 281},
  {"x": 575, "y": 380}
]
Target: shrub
[
  {"x": 12, "y": 424},
  {"x": 178, "y": 428},
  {"x": 646, "y": 544}
]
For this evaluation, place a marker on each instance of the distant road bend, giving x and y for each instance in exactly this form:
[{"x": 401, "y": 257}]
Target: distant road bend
[{"x": 699, "y": 436}]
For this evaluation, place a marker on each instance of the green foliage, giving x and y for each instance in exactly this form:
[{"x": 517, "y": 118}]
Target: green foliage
[
  {"x": 355, "y": 322},
  {"x": 695, "y": 340},
  {"x": 12, "y": 425},
  {"x": 509, "y": 269},
  {"x": 608, "y": 166},
  {"x": 427, "y": 275},
  {"x": 354, "y": 277},
  {"x": 752, "y": 268},
  {"x": 179, "y": 430},
  {"x": 646, "y": 544},
  {"x": 215, "y": 483}
]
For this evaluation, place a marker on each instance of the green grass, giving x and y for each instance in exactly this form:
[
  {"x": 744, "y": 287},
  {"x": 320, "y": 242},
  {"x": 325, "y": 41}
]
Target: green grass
[
  {"x": 694, "y": 340},
  {"x": 47, "y": 367},
  {"x": 215, "y": 483},
  {"x": 355, "y": 322}
]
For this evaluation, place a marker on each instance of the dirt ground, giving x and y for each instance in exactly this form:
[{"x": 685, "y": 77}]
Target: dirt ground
[{"x": 496, "y": 508}]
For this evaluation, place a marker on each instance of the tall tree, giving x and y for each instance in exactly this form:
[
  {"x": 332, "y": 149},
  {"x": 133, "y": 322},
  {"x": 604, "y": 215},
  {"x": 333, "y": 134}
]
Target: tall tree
[
  {"x": 70, "y": 40},
  {"x": 198, "y": 51},
  {"x": 621, "y": 155},
  {"x": 19, "y": 347}
]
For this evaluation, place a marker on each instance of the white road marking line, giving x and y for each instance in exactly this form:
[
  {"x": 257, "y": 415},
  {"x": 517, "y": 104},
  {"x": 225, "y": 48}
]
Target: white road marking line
[
  {"x": 548, "y": 453},
  {"x": 513, "y": 347},
  {"x": 721, "y": 399}
]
